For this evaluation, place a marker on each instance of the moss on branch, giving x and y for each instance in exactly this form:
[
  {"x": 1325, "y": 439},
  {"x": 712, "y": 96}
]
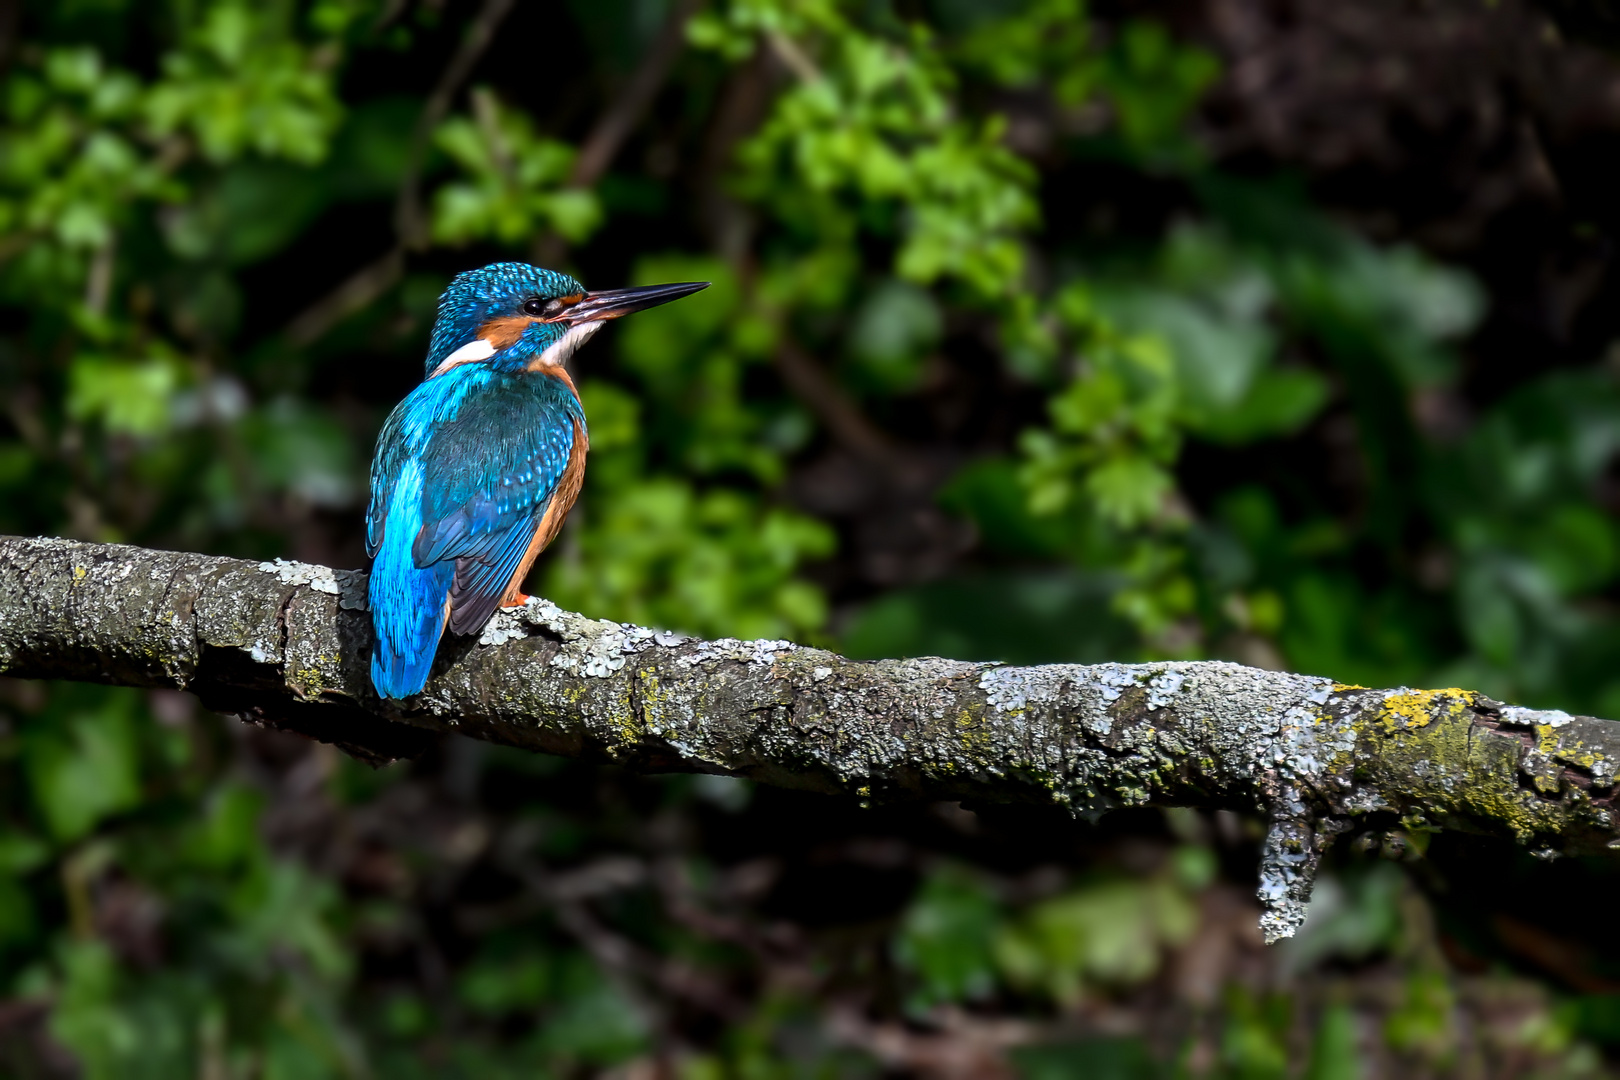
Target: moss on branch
[{"x": 286, "y": 644}]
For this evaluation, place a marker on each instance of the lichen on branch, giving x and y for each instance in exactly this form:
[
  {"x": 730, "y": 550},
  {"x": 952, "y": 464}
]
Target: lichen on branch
[{"x": 286, "y": 644}]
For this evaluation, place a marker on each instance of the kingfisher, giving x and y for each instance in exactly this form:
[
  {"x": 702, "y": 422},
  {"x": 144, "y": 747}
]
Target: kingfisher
[{"x": 477, "y": 468}]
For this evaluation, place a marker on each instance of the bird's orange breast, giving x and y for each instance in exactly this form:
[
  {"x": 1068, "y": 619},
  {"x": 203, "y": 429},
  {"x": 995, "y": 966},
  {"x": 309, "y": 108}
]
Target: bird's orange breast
[{"x": 563, "y": 497}]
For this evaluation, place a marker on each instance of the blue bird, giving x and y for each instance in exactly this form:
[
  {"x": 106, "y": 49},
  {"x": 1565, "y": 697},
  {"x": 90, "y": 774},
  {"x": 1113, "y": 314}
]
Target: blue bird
[{"x": 477, "y": 468}]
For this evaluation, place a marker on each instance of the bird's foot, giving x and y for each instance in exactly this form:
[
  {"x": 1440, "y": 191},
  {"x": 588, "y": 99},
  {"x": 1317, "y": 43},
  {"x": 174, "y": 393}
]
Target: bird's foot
[{"x": 518, "y": 600}]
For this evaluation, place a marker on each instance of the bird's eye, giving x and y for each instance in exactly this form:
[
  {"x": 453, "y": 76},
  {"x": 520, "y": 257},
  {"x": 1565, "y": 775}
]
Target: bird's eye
[{"x": 534, "y": 306}]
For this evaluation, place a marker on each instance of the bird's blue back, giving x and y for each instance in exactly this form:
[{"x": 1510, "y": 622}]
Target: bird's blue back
[{"x": 466, "y": 467}]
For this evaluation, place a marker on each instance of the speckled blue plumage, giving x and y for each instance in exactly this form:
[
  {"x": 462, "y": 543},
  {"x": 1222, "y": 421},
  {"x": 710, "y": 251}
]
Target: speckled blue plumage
[
  {"x": 478, "y": 296},
  {"x": 465, "y": 469}
]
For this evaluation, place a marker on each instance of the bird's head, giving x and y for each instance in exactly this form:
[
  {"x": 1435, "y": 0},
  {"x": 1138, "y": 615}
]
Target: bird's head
[{"x": 516, "y": 316}]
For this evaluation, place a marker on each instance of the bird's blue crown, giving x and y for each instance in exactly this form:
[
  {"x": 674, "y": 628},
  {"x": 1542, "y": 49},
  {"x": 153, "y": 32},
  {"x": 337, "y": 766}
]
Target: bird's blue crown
[{"x": 497, "y": 291}]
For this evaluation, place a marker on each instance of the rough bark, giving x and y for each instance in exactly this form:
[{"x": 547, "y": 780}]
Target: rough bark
[{"x": 286, "y": 644}]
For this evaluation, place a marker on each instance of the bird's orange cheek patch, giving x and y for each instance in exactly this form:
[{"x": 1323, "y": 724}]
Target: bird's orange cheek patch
[{"x": 503, "y": 333}]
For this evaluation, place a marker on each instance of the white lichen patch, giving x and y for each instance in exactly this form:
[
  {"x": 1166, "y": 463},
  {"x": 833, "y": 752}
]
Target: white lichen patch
[
  {"x": 503, "y": 626},
  {"x": 1365, "y": 801},
  {"x": 1515, "y": 714},
  {"x": 599, "y": 663},
  {"x": 291, "y": 572},
  {"x": 1112, "y": 680},
  {"x": 1092, "y": 687},
  {"x": 749, "y": 652},
  {"x": 1287, "y": 872},
  {"x": 1164, "y": 687},
  {"x": 594, "y": 647},
  {"x": 1308, "y": 741},
  {"x": 1010, "y": 689}
]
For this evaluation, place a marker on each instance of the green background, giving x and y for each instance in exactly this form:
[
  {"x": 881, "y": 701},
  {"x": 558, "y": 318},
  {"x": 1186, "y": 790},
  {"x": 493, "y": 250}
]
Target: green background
[{"x": 1039, "y": 332}]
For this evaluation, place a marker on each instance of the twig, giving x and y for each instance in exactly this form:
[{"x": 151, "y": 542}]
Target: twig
[
  {"x": 797, "y": 60},
  {"x": 842, "y": 417},
  {"x": 602, "y": 145},
  {"x": 365, "y": 285},
  {"x": 615, "y": 124},
  {"x": 409, "y": 221},
  {"x": 357, "y": 291}
]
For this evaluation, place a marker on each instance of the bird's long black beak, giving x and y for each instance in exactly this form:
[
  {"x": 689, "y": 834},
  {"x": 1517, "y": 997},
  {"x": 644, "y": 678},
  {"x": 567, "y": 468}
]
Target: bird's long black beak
[{"x": 612, "y": 303}]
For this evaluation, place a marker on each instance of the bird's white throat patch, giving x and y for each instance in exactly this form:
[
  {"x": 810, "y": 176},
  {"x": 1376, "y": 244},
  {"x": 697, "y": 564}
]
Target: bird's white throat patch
[
  {"x": 558, "y": 352},
  {"x": 555, "y": 355}
]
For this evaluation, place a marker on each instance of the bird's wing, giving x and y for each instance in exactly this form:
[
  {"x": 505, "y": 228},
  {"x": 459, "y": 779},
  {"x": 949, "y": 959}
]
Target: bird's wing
[
  {"x": 392, "y": 451},
  {"x": 489, "y": 479}
]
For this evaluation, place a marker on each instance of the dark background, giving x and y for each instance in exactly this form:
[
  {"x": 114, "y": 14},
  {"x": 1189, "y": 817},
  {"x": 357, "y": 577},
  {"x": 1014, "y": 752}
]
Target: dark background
[{"x": 1275, "y": 332}]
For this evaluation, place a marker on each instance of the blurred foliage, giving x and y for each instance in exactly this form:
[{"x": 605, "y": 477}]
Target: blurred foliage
[{"x": 1002, "y": 360}]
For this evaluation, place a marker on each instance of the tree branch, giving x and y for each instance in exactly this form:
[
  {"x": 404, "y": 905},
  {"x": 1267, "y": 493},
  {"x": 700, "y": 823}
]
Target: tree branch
[{"x": 287, "y": 644}]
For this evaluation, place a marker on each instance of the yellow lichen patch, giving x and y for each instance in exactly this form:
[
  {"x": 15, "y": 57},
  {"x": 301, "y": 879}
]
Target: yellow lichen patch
[
  {"x": 79, "y": 574},
  {"x": 634, "y": 724},
  {"x": 1408, "y": 709},
  {"x": 1548, "y": 743},
  {"x": 1341, "y": 687},
  {"x": 974, "y": 735},
  {"x": 1586, "y": 759},
  {"x": 630, "y": 731},
  {"x": 652, "y": 695},
  {"x": 1462, "y": 778}
]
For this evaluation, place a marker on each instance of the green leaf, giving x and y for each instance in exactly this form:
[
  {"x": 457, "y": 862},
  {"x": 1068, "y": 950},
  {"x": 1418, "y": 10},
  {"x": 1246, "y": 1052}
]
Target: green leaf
[
  {"x": 127, "y": 396},
  {"x": 300, "y": 449},
  {"x": 1110, "y": 933},
  {"x": 1128, "y": 489},
  {"x": 593, "y": 1023},
  {"x": 21, "y": 853},
  {"x": 83, "y": 767},
  {"x": 1335, "y": 1054},
  {"x": 498, "y": 984},
  {"x": 18, "y": 922},
  {"x": 894, "y": 328},
  {"x": 1280, "y": 401},
  {"x": 945, "y": 939},
  {"x": 227, "y": 834},
  {"x": 515, "y": 182}
]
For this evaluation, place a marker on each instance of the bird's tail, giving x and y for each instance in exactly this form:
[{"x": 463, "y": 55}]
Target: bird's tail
[{"x": 408, "y": 610}]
